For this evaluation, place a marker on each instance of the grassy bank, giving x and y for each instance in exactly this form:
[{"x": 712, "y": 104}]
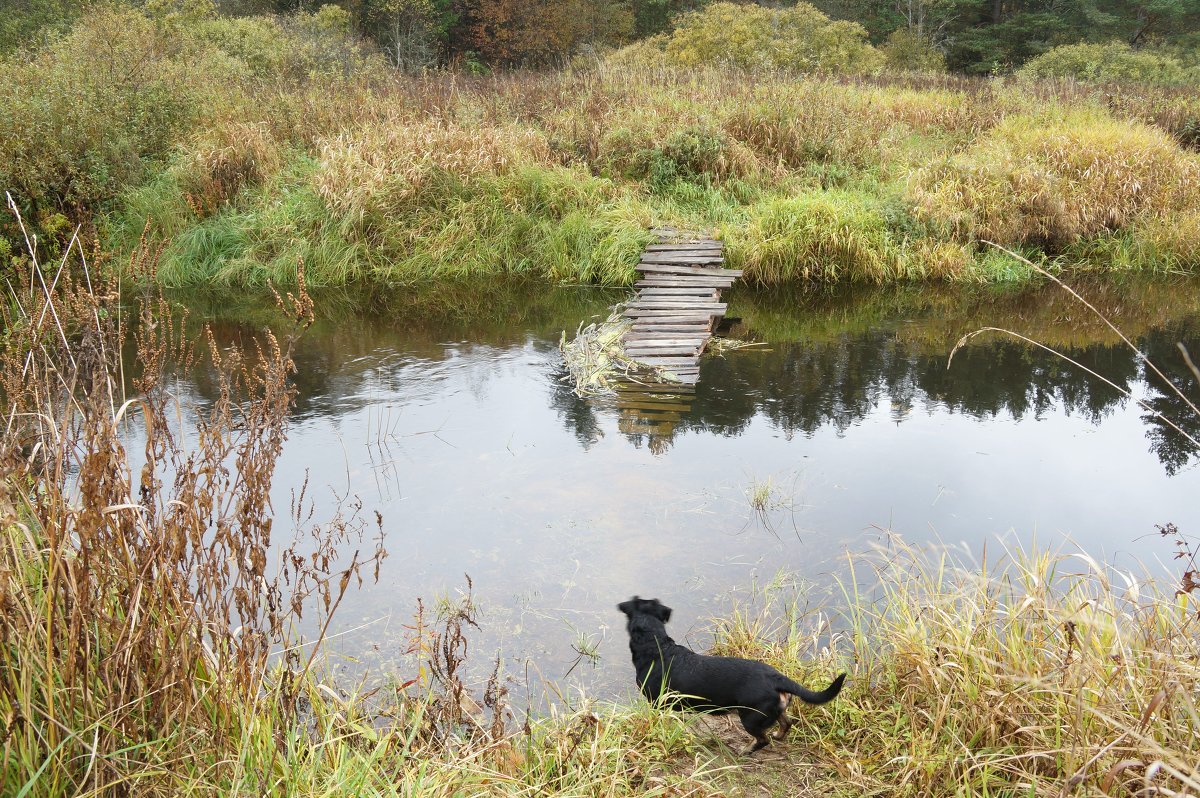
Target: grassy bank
[{"x": 245, "y": 146}]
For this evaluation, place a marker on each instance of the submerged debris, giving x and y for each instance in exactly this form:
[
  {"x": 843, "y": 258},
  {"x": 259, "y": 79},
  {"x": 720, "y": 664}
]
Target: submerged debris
[
  {"x": 719, "y": 346},
  {"x": 595, "y": 358}
]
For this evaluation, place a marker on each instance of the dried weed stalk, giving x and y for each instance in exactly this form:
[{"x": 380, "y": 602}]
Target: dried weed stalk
[{"x": 138, "y": 608}]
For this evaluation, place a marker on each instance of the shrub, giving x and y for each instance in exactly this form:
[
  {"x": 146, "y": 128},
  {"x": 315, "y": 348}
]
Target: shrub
[
  {"x": 1115, "y": 62},
  {"x": 86, "y": 115},
  {"x": 693, "y": 154},
  {"x": 1052, "y": 182},
  {"x": 905, "y": 51},
  {"x": 797, "y": 39},
  {"x": 294, "y": 47}
]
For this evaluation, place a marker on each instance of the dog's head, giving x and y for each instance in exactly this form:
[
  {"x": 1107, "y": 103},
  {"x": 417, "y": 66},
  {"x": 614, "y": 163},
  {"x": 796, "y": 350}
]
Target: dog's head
[{"x": 640, "y": 606}]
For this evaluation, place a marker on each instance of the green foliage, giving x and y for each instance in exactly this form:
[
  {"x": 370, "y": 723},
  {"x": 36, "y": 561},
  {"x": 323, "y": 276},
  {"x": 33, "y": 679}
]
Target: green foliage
[
  {"x": 837, "y": 235},
  {"x": 27, "y": 23},
  {"x": 797, "y": 39},
  {"x": 1114, "y": 62},
  {"x": 905, "y": 51},
  {"x": 295, "y": 47},
  {"x": 89, "y": 114},
  {"x": 691, "y": 154}
]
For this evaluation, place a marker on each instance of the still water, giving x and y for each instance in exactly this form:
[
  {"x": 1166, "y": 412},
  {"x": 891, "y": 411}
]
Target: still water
[{"x": 451, "y": 419}]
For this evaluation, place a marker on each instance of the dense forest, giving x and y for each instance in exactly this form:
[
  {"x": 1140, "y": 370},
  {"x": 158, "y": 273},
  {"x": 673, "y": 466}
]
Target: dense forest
[{"x": 969, "y": 36}]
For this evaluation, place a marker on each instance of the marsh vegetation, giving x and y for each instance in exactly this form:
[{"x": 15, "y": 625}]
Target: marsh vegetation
[{"x": 245, "y": 145}]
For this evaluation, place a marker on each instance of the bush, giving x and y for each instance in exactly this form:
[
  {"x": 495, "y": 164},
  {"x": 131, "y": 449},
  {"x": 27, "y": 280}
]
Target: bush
[
  {"x": 1051, "y": 183},
  {"x": 1115, "y": 62},
  {"x": 905, "y": 51},
  {"x": 798, "y": 39},
  {"x": 295, "y": 47},
  {"x": 87, "y": 115}
]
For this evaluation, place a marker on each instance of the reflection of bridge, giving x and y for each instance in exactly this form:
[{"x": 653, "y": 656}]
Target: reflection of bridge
[
  {"x": 652, "y": 410},
  {"x": 678, "y": 304}
]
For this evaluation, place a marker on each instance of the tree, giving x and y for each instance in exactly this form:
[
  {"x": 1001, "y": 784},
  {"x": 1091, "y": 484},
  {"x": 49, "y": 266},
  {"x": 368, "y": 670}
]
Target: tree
[
  {"x": 406, "y": 31},
  {"x": 526, "y": 32}
]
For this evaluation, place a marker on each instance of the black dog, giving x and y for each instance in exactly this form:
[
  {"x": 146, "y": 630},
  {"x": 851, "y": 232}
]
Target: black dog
[{"x": 755, "y": 690}]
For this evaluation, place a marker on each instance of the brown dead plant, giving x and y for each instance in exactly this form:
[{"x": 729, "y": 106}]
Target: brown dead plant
[{"x": 140, "y": 601}]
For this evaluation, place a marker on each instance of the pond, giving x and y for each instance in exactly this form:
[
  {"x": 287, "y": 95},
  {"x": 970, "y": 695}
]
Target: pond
[{"x": 448, "y": 415}]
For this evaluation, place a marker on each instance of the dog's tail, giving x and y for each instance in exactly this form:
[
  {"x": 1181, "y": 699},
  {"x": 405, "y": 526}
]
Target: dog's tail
[{"x": 808, "y": 696}]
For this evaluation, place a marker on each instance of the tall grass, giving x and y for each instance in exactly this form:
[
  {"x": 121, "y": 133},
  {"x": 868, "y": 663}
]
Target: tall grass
[
  {"x": 139, "y": 607},
  {"x": 1032, "y": 673}
]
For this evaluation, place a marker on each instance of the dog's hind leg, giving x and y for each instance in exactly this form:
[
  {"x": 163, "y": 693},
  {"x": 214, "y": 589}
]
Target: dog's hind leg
[
  {"x": 785, "y": 723},
  {"x": 756, "y": 724}
]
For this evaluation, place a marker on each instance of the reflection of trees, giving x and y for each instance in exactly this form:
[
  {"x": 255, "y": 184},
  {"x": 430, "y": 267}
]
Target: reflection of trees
[
  {"x": 1173, "y": 449},
  {"x": 802, "y": 387},
  {"x": 836, "y": 378},
  {"x": 577, "y": 413}
]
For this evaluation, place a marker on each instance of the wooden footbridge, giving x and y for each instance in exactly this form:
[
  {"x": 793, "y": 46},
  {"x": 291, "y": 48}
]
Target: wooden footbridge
[{"x": 678, "y": 304}]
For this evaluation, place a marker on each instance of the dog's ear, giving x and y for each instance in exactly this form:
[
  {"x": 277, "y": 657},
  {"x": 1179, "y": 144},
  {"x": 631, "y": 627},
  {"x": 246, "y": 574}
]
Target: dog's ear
[{"x": 658, "y": 610}]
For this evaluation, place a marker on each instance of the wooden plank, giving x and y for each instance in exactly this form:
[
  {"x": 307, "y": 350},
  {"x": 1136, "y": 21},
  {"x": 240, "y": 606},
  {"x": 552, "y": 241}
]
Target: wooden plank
[
  {"x": 665, "y": 343},
  {"x": 664, "y": 407},
  {"x": 675, "y": 331},
  {"x": 631, "y": 389},
  {"x": 700, "y": 326},
  {"x": 661, "y": 412},
  {"x": 705, "y": 306},
  {"x": 685, "y": 348},
  {"x": 673, "y": 301},
  {"x": 649, "y": 339},
  {"x": 687, "y": 246},
  {"x": 691, "y": 260},
  {"x": 688, "y": 271},
  {"x": 667, "y": 315},
  {"x": 697, "y": 330},
  {"x": 683, "y": 281},
  {"x": 696, "y": 290},
  {"x": 668, "y": 360},
  {"x": 714, "y": 309},
  {"x": 683, "y": 253},
  {"x": 659, "y": 334},
  {"x": 691, "y": 276},
  {"x": 637, "y": 354}
]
